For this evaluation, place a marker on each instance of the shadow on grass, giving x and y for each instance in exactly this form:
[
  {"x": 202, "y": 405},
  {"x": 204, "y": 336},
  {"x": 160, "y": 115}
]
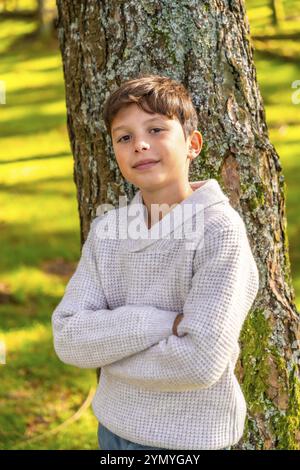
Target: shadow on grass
[
  {"x": 39, "y": 392},
  {"x": 30, "y": 159},
  {"x": 40, "y": 190},
  {"x": 26, "y": 247},
  {"x": 281, "y": 56},
  {"x": 270, "y": 88},
  {"x": 8, "y": 62},
  {"x": 35, "y": 308},
  {"x": 33, "y": 40},
  {"x": 31, "y": 123},
  {"x": 36, "y": 95}
]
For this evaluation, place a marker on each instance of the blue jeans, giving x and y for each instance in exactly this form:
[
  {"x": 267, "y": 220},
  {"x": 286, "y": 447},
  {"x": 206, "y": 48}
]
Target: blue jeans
[{"x": 109, "y": 441}]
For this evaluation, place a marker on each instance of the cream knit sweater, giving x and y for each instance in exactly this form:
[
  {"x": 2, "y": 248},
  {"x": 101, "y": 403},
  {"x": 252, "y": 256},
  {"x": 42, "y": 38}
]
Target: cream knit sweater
[{"x": 118, "y": 310}]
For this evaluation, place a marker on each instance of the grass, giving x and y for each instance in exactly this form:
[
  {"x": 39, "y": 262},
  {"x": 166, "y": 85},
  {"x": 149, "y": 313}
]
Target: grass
[
  {"x": 40, "y": 247},
  {"x": 41, "y": 244}
]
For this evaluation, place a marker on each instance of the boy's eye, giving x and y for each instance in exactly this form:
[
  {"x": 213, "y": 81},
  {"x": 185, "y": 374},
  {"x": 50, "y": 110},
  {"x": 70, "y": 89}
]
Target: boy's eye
[{"x": 153, "y": 129}]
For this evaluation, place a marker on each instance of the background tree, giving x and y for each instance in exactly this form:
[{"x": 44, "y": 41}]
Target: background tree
[
  {"x": 46, "y": 12},
  {"x": 277, "y": 12},
  {"x": 206, "y": 45}
]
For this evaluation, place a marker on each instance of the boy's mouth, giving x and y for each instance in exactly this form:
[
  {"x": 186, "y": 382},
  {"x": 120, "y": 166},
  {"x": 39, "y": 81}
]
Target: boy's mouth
[{"x": 145, "y": 164}]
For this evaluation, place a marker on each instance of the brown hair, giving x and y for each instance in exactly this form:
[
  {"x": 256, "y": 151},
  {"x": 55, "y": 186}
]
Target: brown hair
[{"x": 154, "y": 94}]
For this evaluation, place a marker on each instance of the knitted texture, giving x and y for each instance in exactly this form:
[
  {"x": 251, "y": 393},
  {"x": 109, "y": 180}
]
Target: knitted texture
[{"x": 117, "y": 313}]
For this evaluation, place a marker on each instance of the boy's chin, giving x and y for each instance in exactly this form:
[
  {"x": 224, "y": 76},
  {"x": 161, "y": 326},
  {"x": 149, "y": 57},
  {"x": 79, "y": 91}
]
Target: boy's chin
[{"x": 150, "y": 184}]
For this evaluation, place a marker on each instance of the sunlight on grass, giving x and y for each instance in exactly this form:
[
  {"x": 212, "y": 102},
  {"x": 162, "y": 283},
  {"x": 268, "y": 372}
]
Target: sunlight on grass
[
  {"x": 19, "y": 112},
  {"x": 29, "y": 79},
  {"x": 34, "y": 281},
  {"x": 256, "y": 14},
  {"x": 32, "y": 382},
  {"x": 20, "y": 338},
  {"x": 36, "y": 171},
  {"x": 45, "y": 64},
  {"x": 40, "y": 225},
  {"x": 10, "y": 5},
  {"x": 10, "y": 30},
  {"x": 23, "y": 147},
  {"x": 289, "y": 134}
]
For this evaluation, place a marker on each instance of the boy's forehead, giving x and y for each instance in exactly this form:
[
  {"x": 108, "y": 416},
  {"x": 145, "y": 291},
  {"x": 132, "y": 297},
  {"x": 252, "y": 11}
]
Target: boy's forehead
[{"x": 121, "y": 120}]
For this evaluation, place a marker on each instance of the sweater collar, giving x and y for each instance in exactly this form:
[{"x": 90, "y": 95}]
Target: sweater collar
[{"x": 206, "y": 193}]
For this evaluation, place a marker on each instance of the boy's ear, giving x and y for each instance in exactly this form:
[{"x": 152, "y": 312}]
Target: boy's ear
[{"x": 195, "y": 144}]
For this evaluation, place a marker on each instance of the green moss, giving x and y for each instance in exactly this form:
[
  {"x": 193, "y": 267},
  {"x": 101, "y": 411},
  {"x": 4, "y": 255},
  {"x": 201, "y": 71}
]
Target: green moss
[
  {"x": 282, "y": 425},
  {"x": 285, "y": 425},
  {"x": 259, "y": 198},
  {"x": 253, "y": 204},
  {"x": 255, "y": 339},
  {"x": 260, "y": 193},
  {"x": 202, "y": 168},
  {"x": 287, "y": 268}
]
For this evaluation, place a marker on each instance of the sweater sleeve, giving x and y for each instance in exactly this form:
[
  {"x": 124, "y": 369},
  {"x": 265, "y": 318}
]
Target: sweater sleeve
[
  {"x": 87, "y": 334},
  {"x": 224, "y": 286}
]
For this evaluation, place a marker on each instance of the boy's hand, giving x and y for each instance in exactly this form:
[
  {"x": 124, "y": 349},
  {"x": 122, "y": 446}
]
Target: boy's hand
[{"x": 176, "y": 323}]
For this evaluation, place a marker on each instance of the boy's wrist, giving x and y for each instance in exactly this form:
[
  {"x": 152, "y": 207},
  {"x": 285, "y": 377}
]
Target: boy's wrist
[{"x": 175, "y": 324}]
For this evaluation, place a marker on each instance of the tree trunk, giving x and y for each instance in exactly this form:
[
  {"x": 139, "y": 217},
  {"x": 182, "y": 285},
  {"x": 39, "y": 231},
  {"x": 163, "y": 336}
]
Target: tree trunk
[
  {"x": 41, "y": 15},
  {"x": 278, "y": 15},
  {"x": 206, "y": 46},
  {"x": 45, "y": 19}
]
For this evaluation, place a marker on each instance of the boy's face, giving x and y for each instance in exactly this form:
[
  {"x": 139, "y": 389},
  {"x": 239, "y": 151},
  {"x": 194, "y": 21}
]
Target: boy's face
[{"x": 161, "y": 139}]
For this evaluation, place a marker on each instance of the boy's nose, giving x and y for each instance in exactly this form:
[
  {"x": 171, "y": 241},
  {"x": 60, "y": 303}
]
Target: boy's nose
[{"x": 142, "y": 145}]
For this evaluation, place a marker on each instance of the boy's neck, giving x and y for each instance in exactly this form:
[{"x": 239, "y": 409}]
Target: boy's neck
[{"x": 170, "y": 196}]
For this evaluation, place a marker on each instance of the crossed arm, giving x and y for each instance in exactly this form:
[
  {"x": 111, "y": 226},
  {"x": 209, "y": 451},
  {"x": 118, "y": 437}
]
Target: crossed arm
[
  {"x": 224, "y": 286},
  {"x": 140, "y": 343},
  {"x": 89, "y": 335}
]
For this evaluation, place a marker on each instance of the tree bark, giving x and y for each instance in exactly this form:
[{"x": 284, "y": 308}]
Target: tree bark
[{"x": 206, "y": 45}]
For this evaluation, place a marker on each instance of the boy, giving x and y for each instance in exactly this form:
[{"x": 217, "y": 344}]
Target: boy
[{"x": 161, "y": 318}]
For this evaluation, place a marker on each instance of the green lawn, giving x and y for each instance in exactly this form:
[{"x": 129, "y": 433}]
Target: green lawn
[
  {"x": 40, "y": 227},
  {"x": 40, "y": 246}
]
